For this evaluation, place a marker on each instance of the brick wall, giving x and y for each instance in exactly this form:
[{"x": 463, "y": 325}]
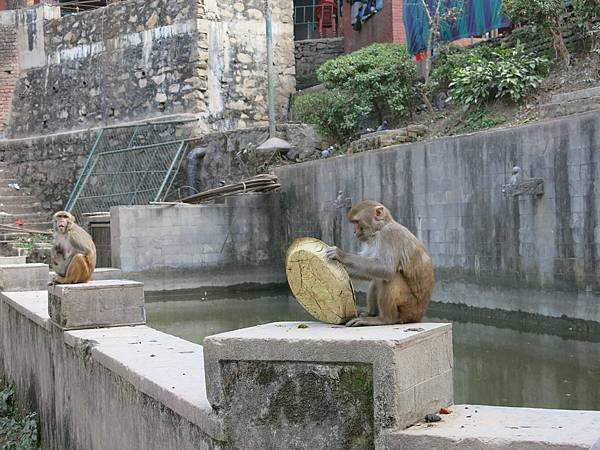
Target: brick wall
[
  {"x": 385, "y": 26},
  {"x": 8, "y": 71}
]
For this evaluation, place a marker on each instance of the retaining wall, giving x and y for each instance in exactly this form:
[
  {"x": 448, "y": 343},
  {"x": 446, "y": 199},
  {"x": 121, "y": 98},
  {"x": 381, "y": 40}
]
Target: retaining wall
[
  {"x": 168, "y": 247},
  {"x": 448, "y": 192}
]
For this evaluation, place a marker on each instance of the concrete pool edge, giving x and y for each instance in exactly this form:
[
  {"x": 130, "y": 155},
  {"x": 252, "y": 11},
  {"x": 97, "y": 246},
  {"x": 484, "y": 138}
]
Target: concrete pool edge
[{"x": 104, "y": 355}]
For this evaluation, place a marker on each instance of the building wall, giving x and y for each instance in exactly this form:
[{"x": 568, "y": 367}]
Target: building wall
[
  {"x": 385, "y": 26},
  {"x": 8, "y": 68},
  {"x": 137, "y": 60}
]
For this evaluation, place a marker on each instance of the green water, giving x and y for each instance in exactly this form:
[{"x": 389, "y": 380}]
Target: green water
[{"x": 500, "y": 358}]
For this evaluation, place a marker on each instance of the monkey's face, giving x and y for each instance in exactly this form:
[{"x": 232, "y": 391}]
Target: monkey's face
[{"x": 62, "y": 222}]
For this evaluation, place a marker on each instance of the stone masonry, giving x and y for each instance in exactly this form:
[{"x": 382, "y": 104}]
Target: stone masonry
[
  {"x": 8, "y": 70},
  {"x": 310, "y": 54},
  {"x": 137, "y": 60}
]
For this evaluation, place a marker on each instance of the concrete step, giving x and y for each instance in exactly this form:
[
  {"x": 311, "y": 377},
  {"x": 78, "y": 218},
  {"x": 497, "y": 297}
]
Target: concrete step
[
  {"x": 20, "y": 209},
  {"x": 17, "y": 200},
  {"x": 576, "y": 95},
  {"x": 552, "y": 110},
  {"x": 6, "y": 191}
]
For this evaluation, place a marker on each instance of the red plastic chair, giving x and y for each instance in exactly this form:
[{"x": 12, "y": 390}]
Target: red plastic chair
[{"x": 325, "y": 13}]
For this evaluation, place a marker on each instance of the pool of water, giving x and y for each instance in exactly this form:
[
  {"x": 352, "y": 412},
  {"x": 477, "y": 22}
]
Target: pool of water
[{"x": 500, "y": 358}]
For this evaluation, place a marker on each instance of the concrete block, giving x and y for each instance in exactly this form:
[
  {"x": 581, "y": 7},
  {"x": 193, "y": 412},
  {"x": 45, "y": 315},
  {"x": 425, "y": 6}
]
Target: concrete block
[
  {"x": 475, "y": 427},
  {"x": 103, "y": 273},
  {"x": 23, "y": 277},
  {"x": 4, "y": 260},
  {"x": 410, "y": 372},
  {"x": 104, "y": 303}
]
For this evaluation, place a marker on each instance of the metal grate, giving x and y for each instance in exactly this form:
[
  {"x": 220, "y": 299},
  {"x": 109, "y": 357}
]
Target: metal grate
[{"x": 130, "y": 165}]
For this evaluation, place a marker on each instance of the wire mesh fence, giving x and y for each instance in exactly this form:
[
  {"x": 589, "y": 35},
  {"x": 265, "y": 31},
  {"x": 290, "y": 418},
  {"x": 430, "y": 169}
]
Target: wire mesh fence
[{"x": 129, "y": 165}]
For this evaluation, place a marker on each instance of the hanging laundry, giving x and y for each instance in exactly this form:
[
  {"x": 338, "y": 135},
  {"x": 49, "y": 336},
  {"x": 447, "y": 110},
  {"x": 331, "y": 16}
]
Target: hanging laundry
[{"x": 477, "y": 17}]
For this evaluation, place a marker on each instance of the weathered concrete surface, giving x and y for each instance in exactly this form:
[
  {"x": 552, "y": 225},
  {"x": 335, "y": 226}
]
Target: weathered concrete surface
[
  {"x": 23, "y": 277},
  {"x": 474, "y": 427},
  {"x": 4, "y": 260},
  {"x": 448, "y": 192},
  {"x": 405, "y": 385},
  {"x": 242, "y": 233},
  {"x": 105, "y": 303},
  {"x": 100, "y": 273},
  {"x": 129, "y": 387},
  {"x": 546, "y": 302}
]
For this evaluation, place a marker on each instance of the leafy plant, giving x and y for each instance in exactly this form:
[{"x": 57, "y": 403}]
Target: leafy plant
[
  {"x": 545, "y": 13},
  {"x": 30, "y": 240},
  {"x": 504, "y": 73},
  {"x": 451, "y": 57},
  {"x": 381, "y": 77},
  {"x": 333, "y": 113},
  {"x": 17, "y": 432}
]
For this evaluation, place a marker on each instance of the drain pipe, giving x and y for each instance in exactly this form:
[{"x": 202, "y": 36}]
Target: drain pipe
[
  {"x": 270, "y": 75},
  {"x": 195, "y": 155}
]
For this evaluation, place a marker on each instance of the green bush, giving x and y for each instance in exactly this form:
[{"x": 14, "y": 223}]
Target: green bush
[
  {"x": 504, "y": 73},
  {"x": 333, "y": 113},
  {"x": 17, "y": 431},
  {"x": 448, "y": 59},
  {"x": 378, "y": 80},
  {"x": 382, "y": 76}
]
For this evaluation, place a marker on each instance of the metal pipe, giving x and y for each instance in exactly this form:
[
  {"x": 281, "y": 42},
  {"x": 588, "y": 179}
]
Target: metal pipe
[
  {"x": 270, "y": 77},
  {"x": 191, "y": 169}
]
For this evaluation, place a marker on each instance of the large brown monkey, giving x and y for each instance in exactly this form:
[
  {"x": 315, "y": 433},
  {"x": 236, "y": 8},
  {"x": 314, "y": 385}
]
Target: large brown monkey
[
  {"x": 74, "y": 253},
  {"x": 394, "y": 260}
]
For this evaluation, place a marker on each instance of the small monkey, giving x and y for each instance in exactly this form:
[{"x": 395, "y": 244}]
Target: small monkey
[
  {"x": 73, "y": 256},
  {"x": 395, "y": 261}
]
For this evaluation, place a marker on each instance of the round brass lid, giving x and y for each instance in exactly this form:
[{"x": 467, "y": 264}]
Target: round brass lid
[{"x": 320, "y": 285}]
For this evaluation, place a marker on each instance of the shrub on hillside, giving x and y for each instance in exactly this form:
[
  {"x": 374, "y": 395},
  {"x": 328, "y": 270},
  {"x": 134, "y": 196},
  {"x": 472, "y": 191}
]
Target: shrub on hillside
[
  {"x": 378, "y": 80},
  {"x": 383, "y": 76},
  {"x": 334, "y": 114},
  {"x": 451, "y": 57},
  {"x": 503, "y": 73}
]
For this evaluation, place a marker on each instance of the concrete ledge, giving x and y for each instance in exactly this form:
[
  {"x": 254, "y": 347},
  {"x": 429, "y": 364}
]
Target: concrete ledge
[
  {"x": 406, "y": 386},
  {"x": 33, "y": 305},
  {"x": 23, "y": 277},
  {"x": 103, "y": 273},
  {"x": 167, "y": 368},
  {"x": 473, "y": 427},
  {"x": 4, "y": 260},
  {"x": 104, "y": 303}
]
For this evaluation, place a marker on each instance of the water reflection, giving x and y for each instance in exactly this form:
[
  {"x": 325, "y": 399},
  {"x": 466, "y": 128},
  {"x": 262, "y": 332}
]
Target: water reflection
[{"x": 499, "y": 358}]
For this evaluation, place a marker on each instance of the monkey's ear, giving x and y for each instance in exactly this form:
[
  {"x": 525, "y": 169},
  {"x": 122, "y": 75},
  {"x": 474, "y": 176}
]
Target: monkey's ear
[{"x": 379, "y": 212}]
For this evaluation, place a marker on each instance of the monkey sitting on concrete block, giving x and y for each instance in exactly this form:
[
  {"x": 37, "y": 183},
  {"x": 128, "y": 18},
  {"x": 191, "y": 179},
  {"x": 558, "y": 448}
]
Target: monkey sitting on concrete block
[
  {"x": 73, "y": 256},
  {"x": 396, "y": 262}
]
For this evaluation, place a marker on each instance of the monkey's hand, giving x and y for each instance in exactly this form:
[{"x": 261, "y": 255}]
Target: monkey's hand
[{"x": 335, "y": 254}]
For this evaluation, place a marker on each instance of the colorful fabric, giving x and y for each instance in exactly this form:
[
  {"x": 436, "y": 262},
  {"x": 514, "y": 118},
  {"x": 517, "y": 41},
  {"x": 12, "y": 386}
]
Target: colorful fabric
[{"x": 478, "y": 17}]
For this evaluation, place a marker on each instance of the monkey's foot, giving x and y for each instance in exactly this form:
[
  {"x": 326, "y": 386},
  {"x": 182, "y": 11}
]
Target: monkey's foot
[{"x": 365, "y": 321}]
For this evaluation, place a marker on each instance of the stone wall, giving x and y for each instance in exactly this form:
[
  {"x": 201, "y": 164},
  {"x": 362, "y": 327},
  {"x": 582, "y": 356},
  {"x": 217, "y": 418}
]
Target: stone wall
[
  {"x": 137, "y": 60},
  {"x": 48, "y": 165},
  {"x": 310, "y": 54},
  {"x": 8, "y": 67},
  {"x": 448, "y": 192}
]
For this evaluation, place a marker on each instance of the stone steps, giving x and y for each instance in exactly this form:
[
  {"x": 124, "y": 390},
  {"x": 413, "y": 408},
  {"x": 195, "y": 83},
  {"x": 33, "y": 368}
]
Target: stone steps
[
  {"x": 568, "y": 103},
  {"x": 18, "y": 208}
]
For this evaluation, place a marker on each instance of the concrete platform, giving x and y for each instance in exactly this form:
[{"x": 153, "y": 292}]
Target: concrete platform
[
  {"x": 474, "y": 427},
  {"x": 104, "y": 303},
  {"x": 405, "y": 385},
  {"x": 23, "y": 277},
  {"x": 12, "y": 260},
  {"x": 102, "y": 273}
]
